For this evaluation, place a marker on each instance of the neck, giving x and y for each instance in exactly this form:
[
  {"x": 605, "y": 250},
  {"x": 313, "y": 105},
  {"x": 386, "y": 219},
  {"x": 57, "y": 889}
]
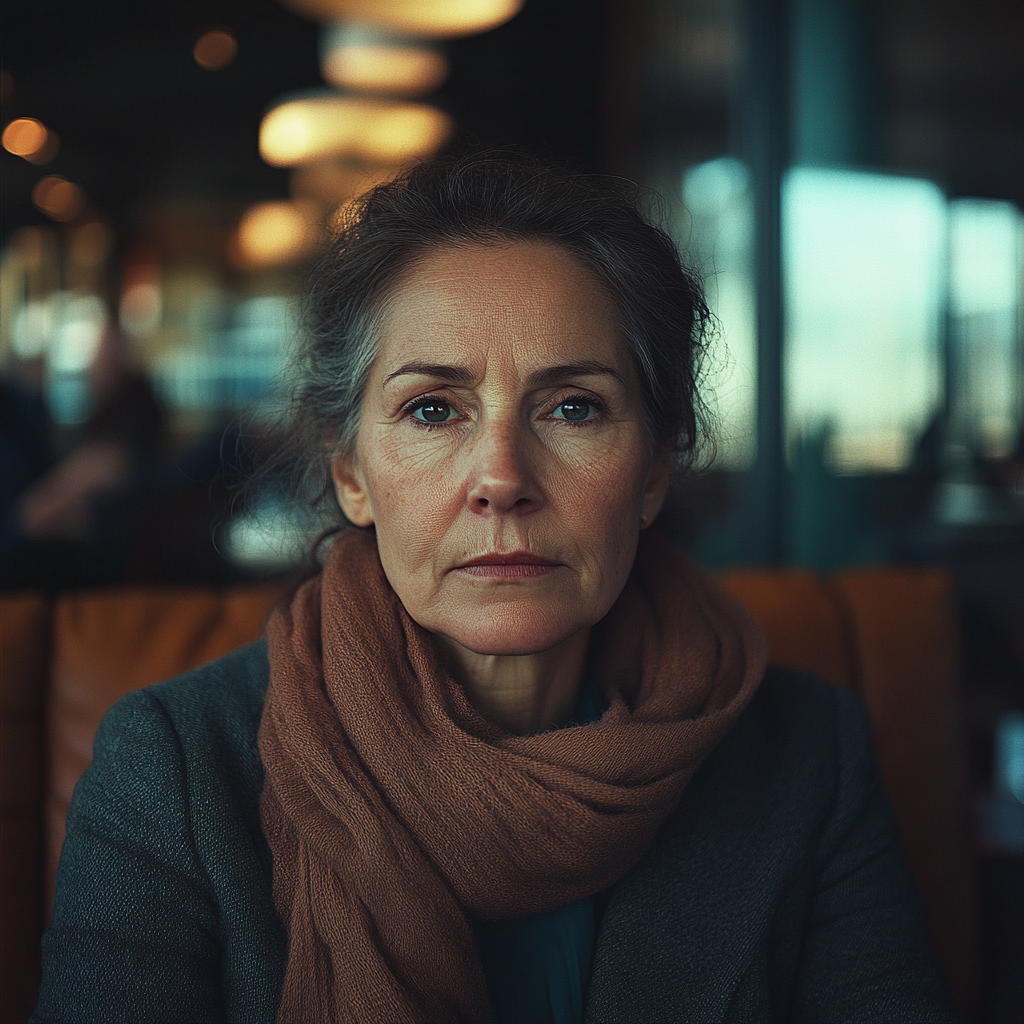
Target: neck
[{"x": 522, "y": 693}]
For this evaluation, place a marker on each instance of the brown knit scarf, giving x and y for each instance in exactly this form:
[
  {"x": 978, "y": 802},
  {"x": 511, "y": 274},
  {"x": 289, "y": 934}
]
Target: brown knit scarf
[{"x": 394, "y": 810}]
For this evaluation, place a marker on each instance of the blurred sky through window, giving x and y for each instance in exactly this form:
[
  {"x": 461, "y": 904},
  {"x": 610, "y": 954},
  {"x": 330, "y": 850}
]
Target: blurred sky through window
[
  {"x": 986, "y": 264},
  {"x": 863, "y": 265},
  {"x": 870, "y": 263}
]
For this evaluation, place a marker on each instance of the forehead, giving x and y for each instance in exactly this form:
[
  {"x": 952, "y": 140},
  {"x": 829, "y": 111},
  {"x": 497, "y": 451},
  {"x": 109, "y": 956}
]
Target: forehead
[{"x": 529, "y": 302}]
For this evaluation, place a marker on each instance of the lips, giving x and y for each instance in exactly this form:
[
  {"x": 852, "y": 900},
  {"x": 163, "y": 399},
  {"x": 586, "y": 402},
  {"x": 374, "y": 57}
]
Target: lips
[{"x": 513, "y": 565}]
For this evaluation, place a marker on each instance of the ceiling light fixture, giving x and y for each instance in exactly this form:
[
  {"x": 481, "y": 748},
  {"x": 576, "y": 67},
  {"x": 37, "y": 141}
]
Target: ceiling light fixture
[
  {"x": 371, "y": 130},
  {"x": 360, "y": 57},
  {"x": 431, "y": 19}
]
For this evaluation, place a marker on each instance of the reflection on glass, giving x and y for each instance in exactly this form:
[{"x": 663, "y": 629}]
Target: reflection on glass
[
  {"x": 720, "y": 239},
  {"x": 65, "y": 328},
  {"x": 77, "y": 327},
  {"x": 986, "y": 261},
  {"x": 30, "y": 329},
  {"x": 142, "y": 297},
  {"x": 863, "y": 264}
]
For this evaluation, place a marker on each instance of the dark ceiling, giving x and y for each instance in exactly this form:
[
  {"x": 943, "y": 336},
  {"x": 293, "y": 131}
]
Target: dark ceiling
[
  {"x": 137, "y": 117},
  {"x": 950, "y": 93},
  {"x": 141, "y": 123}
]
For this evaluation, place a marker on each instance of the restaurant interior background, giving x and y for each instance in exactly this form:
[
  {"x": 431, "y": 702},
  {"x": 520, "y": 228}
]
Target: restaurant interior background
[{"x": 848, "y": 177}]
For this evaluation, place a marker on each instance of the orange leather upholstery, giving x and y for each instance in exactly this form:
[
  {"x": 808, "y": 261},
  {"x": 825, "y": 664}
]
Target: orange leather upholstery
[
  {"x": 907, "y": 638},
  {"x": 107, "y": 644},
  {"x": 24, "y": 625},
  {"x": 890, "y": 635},
  {"x": 805, "y": 628}
]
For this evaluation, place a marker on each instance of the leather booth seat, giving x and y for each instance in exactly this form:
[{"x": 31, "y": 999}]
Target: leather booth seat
[{"x": 889, "y": 635}]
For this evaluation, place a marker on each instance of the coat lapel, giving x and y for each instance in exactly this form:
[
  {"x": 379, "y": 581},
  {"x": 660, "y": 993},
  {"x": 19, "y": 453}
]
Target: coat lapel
[{"x": 699, "y": 917}]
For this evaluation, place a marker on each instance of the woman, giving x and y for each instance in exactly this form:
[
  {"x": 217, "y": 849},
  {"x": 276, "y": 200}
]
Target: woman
[{"x": 502, "y": 760}]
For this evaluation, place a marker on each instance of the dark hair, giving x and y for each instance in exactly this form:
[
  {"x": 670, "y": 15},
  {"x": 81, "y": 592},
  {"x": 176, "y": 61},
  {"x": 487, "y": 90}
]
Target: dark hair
[{"x": 494, "y": 197}]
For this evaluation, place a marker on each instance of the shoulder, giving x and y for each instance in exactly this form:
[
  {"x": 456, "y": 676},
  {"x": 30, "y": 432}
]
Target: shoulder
[
  {"x": 778, "y": 870},
  {"x": 796, "y": 721},
  {"x": 222, "y": 699},
  {"x": 796, "y": 700},
  {"x": 168, "y": 756},
  {"x": 792, "y": 775},
  {"x": 195, "y": 734},
  {"x": 165, "y": 869},
  {"x": 232, "y": 687}
]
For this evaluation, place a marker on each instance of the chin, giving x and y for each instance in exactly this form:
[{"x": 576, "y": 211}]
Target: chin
[{"x": 511, "y": 631}]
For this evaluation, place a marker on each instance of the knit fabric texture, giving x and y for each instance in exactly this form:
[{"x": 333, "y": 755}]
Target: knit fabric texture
[{"x": 394, "y": 810}]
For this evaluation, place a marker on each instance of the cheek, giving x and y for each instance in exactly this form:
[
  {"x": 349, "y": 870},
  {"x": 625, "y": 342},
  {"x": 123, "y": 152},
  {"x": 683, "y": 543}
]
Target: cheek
[
  {"x": 599, "y": 506},
  {"x": 603, "y": 491},
  {"x": 398, "y": 481},
  {"x": 413, "y": 506}
]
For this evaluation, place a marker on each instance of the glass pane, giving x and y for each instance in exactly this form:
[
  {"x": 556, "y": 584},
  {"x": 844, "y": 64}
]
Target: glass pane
[
  {"x": 863, "y": 260},
  {"x": 986, "y": 238}
]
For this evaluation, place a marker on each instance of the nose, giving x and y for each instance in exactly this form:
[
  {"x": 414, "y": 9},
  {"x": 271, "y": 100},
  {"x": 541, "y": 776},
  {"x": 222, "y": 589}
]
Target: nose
[{"x": 502, "y": 474}]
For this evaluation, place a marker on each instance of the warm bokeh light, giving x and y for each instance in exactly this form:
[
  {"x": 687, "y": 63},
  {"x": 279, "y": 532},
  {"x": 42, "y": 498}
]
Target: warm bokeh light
[
  {"x": 329, "y": 182},
  {"x": 432, "y": 19},
  {"x": 58, "y": 198},
  {"x": 215, "y": 49},
  {"x": 47, "y": 151},
  {"x": 273, "y": 234},
  {"x": 393, "y": 70},
  {"x": 25, "y": 136},
  {"x": 376, "y": 131},
  {"x": 91, "y": 244}
]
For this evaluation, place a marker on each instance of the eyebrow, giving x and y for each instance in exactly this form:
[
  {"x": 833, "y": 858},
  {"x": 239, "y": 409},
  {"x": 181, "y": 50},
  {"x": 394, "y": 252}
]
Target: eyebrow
[
  {"x": 552, "y": 375},
  {"x": 442, "y": 371},
  {"x": 547, "y": 377}
]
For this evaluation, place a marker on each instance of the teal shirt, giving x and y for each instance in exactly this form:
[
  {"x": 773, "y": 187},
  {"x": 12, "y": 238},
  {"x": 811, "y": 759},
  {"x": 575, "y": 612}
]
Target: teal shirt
[{"x": 537, "y": 968}]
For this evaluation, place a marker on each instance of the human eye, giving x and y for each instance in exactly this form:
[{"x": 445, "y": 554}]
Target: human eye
[
  {"x": 431, "y": 410},
  {"x": 576, "y": 409}
]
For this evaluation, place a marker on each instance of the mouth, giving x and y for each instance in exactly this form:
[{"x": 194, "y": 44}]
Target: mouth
[{"x": 514, "y": 565}]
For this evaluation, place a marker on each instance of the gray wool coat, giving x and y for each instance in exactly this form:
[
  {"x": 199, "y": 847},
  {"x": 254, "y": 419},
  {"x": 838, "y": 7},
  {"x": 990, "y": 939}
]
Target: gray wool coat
[{"x": 776, "y": 892}]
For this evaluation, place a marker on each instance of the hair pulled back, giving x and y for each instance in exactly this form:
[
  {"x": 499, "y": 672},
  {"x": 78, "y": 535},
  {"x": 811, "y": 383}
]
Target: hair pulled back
[{"x": 493, "y": 197}]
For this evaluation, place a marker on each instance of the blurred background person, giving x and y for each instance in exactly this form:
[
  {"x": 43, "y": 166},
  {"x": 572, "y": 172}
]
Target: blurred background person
[{"x": 62, "y": 519}]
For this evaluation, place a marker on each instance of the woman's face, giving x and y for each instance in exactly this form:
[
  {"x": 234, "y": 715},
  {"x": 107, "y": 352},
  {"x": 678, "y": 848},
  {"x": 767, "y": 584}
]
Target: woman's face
[{"x": 502, "y": 453}]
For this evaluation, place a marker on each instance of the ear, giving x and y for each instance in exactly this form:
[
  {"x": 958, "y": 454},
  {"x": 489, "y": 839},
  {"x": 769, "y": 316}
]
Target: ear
[
  {"x": 656, "y": 488},
  {"x": 353, "y": 494}
]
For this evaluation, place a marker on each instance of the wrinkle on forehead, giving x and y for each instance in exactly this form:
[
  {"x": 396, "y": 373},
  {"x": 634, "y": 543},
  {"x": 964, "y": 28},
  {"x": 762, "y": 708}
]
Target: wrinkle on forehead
[{"x": 534, "y": 312}]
